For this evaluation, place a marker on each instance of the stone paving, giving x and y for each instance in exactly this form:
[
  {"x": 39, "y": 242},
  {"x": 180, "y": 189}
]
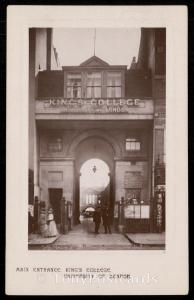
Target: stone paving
[
  {"x": 147, "y": 238},
  {"x": 37, "y": 239},
  {"x": 82, "y": 237}
]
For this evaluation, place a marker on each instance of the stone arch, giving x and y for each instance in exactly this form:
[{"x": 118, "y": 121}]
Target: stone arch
[
  {"x": 94, "y": 133},
  {"x": 94, "y": 147},
  {"x": 93, "y": 143}
]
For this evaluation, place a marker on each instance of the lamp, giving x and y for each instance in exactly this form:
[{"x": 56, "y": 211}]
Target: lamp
[{"x": 94, "y": 169}]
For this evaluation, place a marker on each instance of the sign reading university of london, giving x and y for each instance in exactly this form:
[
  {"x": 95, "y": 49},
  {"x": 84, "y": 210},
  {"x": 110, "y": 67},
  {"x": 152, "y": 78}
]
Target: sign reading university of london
[{"x": 93, "y": 106}]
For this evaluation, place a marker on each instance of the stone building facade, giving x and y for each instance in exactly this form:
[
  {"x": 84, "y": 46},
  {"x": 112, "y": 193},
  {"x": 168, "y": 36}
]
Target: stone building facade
[{"x": 109, "y": 112}]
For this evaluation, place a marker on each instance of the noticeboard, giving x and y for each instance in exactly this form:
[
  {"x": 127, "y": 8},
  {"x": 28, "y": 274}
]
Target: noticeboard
[{"x": 137, "y": 211}]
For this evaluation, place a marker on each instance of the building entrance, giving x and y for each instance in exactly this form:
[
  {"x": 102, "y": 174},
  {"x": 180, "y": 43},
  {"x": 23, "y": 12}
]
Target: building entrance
[
  {"x": 94, "y": 186},
  {"x": 94, "y": 175},
  {"x": 55, "y": 196},
  {"x": 123, "y": 146}
]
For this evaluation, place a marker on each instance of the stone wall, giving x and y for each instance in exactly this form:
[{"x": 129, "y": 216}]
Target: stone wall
[
  {"x": 56, "y": 174},
  {"x": 139, "y": 172}
]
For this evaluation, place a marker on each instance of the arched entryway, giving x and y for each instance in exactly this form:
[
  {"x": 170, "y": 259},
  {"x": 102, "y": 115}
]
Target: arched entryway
[
  {"x": 94, "y": 185},
  {"x": 95, "y": 154}
]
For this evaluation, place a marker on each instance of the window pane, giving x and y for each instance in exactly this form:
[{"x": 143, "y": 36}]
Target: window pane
[
  {"x": 97, "y": 92},
  {"x": 110, "y": 92},
  {"x": 114, "y": 92},
  {"x": 114, "y": 84},
  {"x": 133, "y": 144},
  {"x": 118, "y": 92},
  {"x": 113, "y": 79},
  {"x": 94, "y": 79},
  {"x": 93, "y": 92},
  {"x": 127, "y": 146},
  {"x": 74, "y": 92},
  {"x": 89, "y": 92},
  {"x": 137, "y": 146},
  {"x": 74, "y": 79}
]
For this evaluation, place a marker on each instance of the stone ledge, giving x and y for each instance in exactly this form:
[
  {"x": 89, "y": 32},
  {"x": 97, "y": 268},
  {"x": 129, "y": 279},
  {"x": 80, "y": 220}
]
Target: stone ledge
[{"x": 37, "y": 239}]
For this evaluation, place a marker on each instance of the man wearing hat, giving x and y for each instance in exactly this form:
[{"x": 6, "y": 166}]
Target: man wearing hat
[
  {"x": 97, "y": 218},
  {"x": 106, "y": 218}
]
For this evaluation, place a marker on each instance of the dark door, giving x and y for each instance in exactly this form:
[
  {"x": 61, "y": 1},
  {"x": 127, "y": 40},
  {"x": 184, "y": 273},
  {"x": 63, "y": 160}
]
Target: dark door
[{"x": 55, "y": 196}]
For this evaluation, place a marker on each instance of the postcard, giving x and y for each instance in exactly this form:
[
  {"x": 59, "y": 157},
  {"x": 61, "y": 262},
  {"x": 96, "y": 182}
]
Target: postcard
[{"x": 97, "y": 187}]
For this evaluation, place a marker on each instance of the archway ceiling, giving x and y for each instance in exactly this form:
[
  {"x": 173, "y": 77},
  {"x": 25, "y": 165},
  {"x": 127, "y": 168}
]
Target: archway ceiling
[{"x": 94, "y": 147}]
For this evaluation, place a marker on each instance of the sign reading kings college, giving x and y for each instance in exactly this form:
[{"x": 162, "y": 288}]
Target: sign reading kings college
[{"x": 90, "y": 106}]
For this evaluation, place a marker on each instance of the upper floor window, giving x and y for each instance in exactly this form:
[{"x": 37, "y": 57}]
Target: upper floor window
[
  {"x": 114, "y": 85},
  {"x": 74, "y": 84},
  {"x": 133, "y": 144},
  {"x": 94, "y": 85}
]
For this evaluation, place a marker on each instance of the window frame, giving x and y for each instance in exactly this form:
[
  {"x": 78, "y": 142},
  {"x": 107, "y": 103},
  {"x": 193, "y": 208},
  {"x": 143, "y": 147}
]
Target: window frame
[
  {"x": 94, "y": 86},
  {"x": 131, "y": 140},
  {"x": 71, "y": 86},
  {"x": 114, "y": 86}
]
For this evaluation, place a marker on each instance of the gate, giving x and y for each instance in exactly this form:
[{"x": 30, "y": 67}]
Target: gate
[{"x": 132, "y": 217}]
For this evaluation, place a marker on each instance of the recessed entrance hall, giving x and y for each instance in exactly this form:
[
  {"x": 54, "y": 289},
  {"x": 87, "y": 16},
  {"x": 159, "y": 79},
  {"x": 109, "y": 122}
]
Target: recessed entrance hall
[
  {"x": 94, "y": 186},
  {"x": 94, "y": 168}
]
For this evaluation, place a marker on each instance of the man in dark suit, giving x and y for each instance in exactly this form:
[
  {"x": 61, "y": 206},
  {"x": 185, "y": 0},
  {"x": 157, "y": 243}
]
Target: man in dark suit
[
  {"x": 97, "y": 218},
  {"x": 106, "y": 219}
]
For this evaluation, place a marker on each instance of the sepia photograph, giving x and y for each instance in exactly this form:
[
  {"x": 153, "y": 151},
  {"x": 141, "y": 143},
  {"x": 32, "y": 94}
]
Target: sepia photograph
[
  {"x": 97, "y": 138},
  {"x": 96, "y": 162}
]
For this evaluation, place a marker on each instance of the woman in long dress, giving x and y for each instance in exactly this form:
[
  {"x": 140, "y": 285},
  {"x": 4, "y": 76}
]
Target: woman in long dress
[{"x": 52, "y": 228}]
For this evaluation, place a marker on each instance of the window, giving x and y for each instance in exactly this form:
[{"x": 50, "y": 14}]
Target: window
[
  {"x": 55, "y": 144},
  {"x": 74, "y": 85},
  {"x": 94, "y": 85},
  {"x": 114, "y": 85},
  {"x": 132, "y": 144}
]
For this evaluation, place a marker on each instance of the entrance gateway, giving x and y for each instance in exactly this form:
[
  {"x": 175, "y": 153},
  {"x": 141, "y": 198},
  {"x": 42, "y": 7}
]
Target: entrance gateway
[
  {"x": 95, "y": 119},
  {"x": 94, "y": 187}
]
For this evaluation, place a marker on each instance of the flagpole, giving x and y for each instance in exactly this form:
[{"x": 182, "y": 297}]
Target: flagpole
[{"x": 94, "y": 41}]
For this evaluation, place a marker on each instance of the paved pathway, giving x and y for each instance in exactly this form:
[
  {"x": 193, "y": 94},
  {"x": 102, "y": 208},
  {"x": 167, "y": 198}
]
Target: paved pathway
[
  {"x": 79, "y": 239},
  {"x": 82, "y": 237}
]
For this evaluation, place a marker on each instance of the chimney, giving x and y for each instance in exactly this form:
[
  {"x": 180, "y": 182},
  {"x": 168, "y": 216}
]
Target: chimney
[
  {"x": 49, "y": 48},
  {"x": 133, "y": 63}
]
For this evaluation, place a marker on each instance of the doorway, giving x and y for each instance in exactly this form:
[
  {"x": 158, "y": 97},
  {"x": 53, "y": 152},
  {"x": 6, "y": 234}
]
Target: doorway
[
  {"x": 94, "y": 188},
  {"x": 94, "y": 165},
  {"x": 55, "y": 196}
]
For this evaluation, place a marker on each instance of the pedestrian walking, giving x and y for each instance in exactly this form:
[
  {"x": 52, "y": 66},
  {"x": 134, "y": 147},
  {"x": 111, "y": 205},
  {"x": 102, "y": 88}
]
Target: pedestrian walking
[
  {"x": 106, "y": 219},
  {"x": 97, "y": 218}
]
